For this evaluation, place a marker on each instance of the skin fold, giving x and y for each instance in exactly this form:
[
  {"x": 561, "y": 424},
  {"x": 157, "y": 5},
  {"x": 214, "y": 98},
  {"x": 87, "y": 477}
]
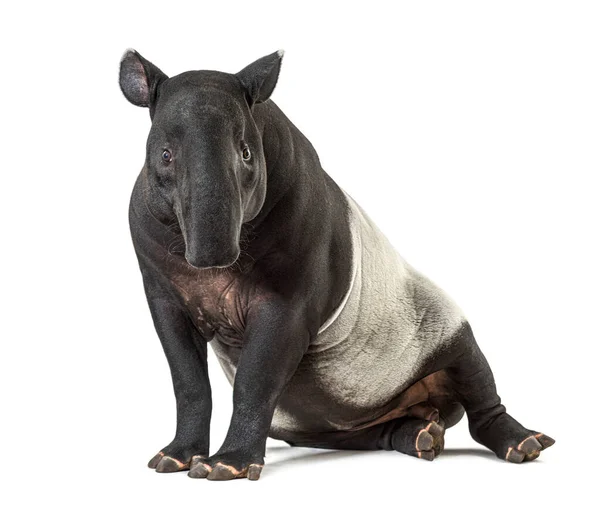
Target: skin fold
[{"x": 328, "y": 337}]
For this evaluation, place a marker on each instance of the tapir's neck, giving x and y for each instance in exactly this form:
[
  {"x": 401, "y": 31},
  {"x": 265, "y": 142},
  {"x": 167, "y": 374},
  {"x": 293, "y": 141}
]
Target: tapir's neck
[
  {"x": 302, "y": 233},
  {"x": 278, "y": 142},
  {"x": 294, "y": 173}
]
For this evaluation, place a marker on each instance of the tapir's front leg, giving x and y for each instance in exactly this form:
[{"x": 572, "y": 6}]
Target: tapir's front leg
[
  {"x": 186, "y": 354},
  {"x": 275, "y": 340}
]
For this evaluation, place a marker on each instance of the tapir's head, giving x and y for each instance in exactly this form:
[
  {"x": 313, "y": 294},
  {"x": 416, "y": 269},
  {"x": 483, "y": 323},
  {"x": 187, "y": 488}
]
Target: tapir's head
[{"x": 204, "y": 155}]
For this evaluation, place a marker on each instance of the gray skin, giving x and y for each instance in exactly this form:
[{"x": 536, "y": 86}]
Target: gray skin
[{"x": 329, "y": 338}]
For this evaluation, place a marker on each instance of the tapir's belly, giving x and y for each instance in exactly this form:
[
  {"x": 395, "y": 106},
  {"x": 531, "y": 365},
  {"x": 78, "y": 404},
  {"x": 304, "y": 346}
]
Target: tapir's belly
[{"x": 383, "y": 338}]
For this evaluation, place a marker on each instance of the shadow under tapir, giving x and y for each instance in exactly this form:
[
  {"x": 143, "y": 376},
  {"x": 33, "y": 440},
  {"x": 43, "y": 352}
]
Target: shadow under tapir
[{"x": 329, "y": 337}]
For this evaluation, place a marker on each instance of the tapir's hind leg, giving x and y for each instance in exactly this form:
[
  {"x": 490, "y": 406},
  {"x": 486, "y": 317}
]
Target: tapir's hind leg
[
  {"x": 419, "y": 433},
  {"x": 489, "y": 423},
  {"x": 463, "y": 380},
  {"x": 413, "y": 436}
]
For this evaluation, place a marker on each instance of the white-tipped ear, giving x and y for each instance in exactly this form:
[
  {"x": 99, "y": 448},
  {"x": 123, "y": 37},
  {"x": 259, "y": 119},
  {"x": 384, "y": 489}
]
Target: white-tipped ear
[
  {"x": 139, "y": 78},
  {"x": 259, "y": 78}
]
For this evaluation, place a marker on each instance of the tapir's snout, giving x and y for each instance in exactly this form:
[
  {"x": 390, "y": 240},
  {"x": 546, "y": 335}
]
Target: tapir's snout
[
  {"x": 211, "y": 226},
  {"x": 207, "y": 259},
  {"x": 208, "y": 206}
]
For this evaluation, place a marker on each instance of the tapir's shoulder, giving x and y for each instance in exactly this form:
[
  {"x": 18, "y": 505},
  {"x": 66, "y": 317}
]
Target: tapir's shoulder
[{"x": 387, "y": 297}]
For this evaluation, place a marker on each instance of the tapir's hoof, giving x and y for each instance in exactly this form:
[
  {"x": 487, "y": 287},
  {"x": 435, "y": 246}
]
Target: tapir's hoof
[
  {"x": 254, "y": 471},
  {"x": 430, "y": 441},
  {"x": 200, "y": 468},
  {"x": 155, "y": 460},
  {"x": 420, "y": 438},
  {"x": 222, "y": 472},
  {"x": 164, "y": 464},
  {"x": 529, "y": 448}
]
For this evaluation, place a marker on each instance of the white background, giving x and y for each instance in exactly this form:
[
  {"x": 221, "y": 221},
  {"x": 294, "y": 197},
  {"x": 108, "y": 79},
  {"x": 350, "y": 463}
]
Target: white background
[{"x": 469, "y": 132}]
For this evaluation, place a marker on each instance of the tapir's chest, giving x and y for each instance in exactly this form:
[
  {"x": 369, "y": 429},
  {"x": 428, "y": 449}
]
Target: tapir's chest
[{"x": 216, "y": 301}]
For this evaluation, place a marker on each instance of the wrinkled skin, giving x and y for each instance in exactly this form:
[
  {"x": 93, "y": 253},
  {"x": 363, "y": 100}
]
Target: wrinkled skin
[{"x": 241, "y": 237}]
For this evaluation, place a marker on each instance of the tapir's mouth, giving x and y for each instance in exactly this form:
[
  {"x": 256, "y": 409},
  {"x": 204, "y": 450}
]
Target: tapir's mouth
[
  {"x": 206, "y": 249},
  {"x": 205, "y": 260}
]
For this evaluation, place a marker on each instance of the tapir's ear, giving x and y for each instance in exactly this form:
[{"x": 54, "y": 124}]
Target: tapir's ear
[
  {"x": 139, "y": 79},
  {"x": 259, "y": 78}
]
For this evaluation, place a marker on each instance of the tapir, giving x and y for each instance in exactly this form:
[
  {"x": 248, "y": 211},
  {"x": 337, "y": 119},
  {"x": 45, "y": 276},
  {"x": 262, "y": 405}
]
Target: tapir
[{"x": 329, "y": 338}]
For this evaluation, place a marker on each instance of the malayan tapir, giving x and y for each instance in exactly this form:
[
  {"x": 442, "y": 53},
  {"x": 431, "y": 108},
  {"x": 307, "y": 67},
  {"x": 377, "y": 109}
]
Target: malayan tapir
[{"x": 330, "y": 339}]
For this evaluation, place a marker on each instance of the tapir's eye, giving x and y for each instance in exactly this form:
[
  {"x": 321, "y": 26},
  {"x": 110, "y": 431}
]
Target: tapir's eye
[
  {"x": 166, "y": 156},
  {"x": 246, "y": 153}
]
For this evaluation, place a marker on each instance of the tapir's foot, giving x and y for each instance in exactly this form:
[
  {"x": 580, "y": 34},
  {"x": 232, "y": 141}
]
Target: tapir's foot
[
  {"x": 173, "y": 458},
  {"x": 509, "y": 440},
  {"x": 529, "y": 448},
  {"x": 423, "y": 439},
  {"x": 163, "y": 463},
  {"x": 225, "y": 467}
]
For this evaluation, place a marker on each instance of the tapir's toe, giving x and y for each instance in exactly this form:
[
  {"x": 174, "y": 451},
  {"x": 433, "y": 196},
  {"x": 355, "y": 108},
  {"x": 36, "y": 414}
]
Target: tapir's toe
[
  {"x": 199, "y": 467},
  {"x": 155, "y": 460},
  {"x": 254, "y": 471},
  {"x": 424, "y": 441},
  {"x": 177, "y": 456},
  {"x": 221, "y": 471},
  {"x": 170, "y": 465},
  {"x": 529, "y": 449},
  {"x": 162, "y": 463},
  {"x": 430, "y": 439}
]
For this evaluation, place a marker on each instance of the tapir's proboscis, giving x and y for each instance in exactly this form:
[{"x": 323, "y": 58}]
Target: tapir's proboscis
[{"x": 329, "y": 338}]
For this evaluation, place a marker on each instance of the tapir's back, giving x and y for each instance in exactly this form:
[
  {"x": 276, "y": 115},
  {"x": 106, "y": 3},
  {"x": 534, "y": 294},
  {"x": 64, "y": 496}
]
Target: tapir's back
[{"x": 374, "y": 347}]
